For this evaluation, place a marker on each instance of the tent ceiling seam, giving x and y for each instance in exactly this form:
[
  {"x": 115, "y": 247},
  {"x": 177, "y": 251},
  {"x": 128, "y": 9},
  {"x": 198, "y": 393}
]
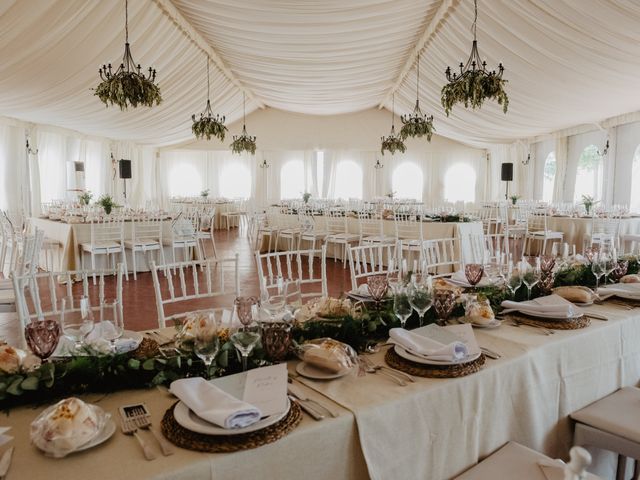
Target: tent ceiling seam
[
  {"x": 444, "y": 10},
  {"x": 170, "y": 10}
]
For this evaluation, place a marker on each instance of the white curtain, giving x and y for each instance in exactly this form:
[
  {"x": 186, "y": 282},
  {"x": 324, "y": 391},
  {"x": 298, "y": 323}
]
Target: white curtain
[
  {"x": 561, "y": 149},
  {"x": 13, "y": 161},
  {"x": 539, "y": 153},
  {"x": 627, "y": 140}
]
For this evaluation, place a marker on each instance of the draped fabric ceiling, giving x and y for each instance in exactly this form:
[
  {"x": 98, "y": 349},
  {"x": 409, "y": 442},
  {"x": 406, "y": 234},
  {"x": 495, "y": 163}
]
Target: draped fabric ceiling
[{"x": 568, "y": 62}]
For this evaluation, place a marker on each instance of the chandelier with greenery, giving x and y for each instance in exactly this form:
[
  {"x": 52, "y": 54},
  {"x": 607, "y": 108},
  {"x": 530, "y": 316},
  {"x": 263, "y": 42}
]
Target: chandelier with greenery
[
  {"x": 475, "y": 83},
  {"x": 243, "y": 143},
  {"x": 417, "y": 124},
  {"x": 128, "y": 86},
  {"x": 393, "y": 143},
  {"x": 208, "y": 125}
]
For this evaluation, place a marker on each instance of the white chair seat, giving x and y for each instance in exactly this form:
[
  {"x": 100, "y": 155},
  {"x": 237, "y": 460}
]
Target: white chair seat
[
  {"x": 6, "y": 284},
  {"x": 314, "y": 235},
  {"x": 378, "y": 239},
  {"x": 343, "y": 237},
  {"x": 142, "y": 243},
  {"x": 547, "y": 234},
  {"x": 106, "y": 247},
  {"x": 7, "y": 296},
  {"x": 184, "y": 243}
]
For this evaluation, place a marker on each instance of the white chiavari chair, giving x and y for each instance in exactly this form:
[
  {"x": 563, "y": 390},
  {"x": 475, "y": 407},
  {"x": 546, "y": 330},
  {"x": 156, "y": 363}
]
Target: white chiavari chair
[
  {"x": 26, "y": 263},
  {"x": 107, "y": 238},
  {"x": 372, "y": 230},
  {"x": 298, "y": 265},
  {"x": 366, "y": 260},
  {"x": 440, "y": 257},
  {"x": 312, "y": 230},
  {"x": 38, "y": 294},
  {"x": 338, "y": 232},
  {"x": 290, "y": 230},
  {"x": 269, "y": 228},
  {"x": 184, "y": 237},
  {"x": 206, "y": 228},
  {"x": 538, "y": 230},
  {"x": 605, "y": 229},
  {"x": 409, "y": 233},
  {"x": 186, "y": 282},
  {"x": 146, "y": 237}
]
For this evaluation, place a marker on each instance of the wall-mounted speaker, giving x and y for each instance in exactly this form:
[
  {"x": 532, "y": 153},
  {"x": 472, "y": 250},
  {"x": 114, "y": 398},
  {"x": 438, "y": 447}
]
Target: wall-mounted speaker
[
  {"x": 125, "y": 169},
  {"x": 507, "y": 172}
]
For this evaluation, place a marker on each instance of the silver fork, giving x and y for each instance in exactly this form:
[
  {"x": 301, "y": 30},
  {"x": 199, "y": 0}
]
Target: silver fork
[
  {"x": 143, "y": 420},
  {"x": 545, "y": 331},
  {"x": 129, "y": 428},
  {"x": 370, "y": 368}
]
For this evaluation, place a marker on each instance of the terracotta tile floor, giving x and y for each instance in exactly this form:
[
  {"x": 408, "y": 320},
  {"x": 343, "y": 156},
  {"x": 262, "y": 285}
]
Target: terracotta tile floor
[{"x": 140, "y": 311}]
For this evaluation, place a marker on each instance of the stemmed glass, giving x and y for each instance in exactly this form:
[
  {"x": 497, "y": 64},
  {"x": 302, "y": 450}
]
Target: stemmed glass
[
  {"x": 473, "y": 272},
  {"x": 394, "y": 280},
  {"x": 42, "y": 337},
  {"x": 378, "y": 287},
  {"x": 76, "y": 319},
  {"x": 293, "y": 295},
  {"x": 207, "y": 342},
  {"x": 610, "y": 264},
  {"x": 598, "y": 269},
  {"x": 620, "y": 270},
  {"x": 420, "y": 295},
  {"x": 245, "y": 307},
  {"x": 531, "y": 274},
  {"x": 401, "y": 306},
  {"x": 245, "y": 338},
  {"x": 111, "y": 322},
  {"x": 444, "y": 301},
  {"x": 512, "y": 278},
  {"x": 274, "y": 296}
]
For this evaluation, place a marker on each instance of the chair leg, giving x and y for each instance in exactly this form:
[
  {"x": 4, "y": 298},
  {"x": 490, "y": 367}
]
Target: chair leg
[
  {"x": 135, "y": 263},
  {"x": 124, "y": 262},
  {"x": 93, "y": 266}
]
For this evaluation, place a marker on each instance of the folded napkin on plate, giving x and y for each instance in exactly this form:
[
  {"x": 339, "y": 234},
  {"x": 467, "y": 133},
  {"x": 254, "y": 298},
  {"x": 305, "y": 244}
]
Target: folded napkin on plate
[
  {"x": 552, "y": 305},
  {"x": 99, "y": 337},
  {"x": 627, "y": 290},
  {"x": 213, "y": 404},
  {"x": 459, "y": 278},
  {"x": 428, "y": 347}
]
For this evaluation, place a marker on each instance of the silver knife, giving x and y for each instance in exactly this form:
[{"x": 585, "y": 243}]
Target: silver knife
[{"x": 5, "y": 462}]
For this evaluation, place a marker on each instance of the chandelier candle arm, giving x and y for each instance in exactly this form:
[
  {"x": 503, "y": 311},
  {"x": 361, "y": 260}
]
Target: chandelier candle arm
[
  {"x": 474, "y": 84},
  {"x": 128, "y": 85},
  {"x": 417, "y": 124},
  {"x": 208, "y": 125},
  {"x": 393, "y": 142}
]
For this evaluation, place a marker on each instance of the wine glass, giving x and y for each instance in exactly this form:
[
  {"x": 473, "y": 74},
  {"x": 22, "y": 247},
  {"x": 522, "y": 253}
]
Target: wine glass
[
  {"x": 473, "y": 272},
  {"x": 42, "y": 337},
  {"x": 76, "y": 319},
  {"x": 401, "y": 306},
  {"x": 444, "y": 301},
  {"x": 394, "y": 280},
  {"x": 512, "y": 278},
  {"x": 293, "y": 295},
  {"x": 206, "y": 340},
  {"x": 245, "y": 338},
  {"x": 531, "y": 274},
  {"x": 245, "y": 307},
  {"x": 273, "y": 295},
  {"x": 276, "y": 340},
  {"x": 598, "y": 270},
  {"x": 378, "y": 287},
  {"x": 620, "y": 270},
  {"x": 610, "y": 264},
  {"x": 111, "y": 322},
  {"x": 420, "y": 295}
]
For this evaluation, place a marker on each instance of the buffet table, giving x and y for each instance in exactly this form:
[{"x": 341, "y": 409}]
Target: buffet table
[{"x": 433, "y": 428}]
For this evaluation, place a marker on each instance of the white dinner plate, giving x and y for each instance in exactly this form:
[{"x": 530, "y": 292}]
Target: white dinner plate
[
  {"x": 488, "y": 326},
  {"x": 548, "y": 316},
  {"x": 314, "y": 373},
  {"x": 400, "y": 350},
  {"x": 193, "y": 422}
]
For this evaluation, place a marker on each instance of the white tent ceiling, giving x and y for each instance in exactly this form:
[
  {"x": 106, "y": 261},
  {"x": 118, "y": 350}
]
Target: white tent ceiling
[{"x": 568, "y": 62}]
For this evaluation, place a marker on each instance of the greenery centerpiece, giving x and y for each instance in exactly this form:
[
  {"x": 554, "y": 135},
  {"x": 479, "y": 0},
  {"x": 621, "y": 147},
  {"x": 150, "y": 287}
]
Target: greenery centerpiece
[
  {"x": 107, "y": 203},
  {"x": 417, "y": 124},
  {"x": 208, "y": 125},
  {"x": 588, "y": 201},
  {"x": 204, "y": 193},
  {"x": 514, "y": 199},
  {"x": 474, "y": 84},
  {"x": 85, "y": 197},
  {"x": 244, "y": 142},
  {"x": 128, "y": 86},
  {"x": 306, "y": 197}
]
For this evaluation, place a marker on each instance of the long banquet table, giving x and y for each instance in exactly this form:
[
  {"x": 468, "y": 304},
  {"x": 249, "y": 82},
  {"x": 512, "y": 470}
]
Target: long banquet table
[
  {"x": 432, "y": 429},
  {"x": 575, "y": 230}
]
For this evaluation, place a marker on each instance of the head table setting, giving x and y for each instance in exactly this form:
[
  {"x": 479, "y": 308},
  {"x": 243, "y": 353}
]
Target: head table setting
[{"x": 322, "y": 240}]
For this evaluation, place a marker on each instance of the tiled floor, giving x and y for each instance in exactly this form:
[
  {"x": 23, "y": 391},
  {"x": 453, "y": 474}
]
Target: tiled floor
[{"x": 139, "y": 301}]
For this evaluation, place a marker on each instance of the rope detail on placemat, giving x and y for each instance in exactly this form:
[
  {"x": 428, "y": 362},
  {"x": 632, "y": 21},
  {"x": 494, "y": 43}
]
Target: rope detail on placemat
[
  {"x": 199, "y": 442},
  {"x": 432, "y": 371}
]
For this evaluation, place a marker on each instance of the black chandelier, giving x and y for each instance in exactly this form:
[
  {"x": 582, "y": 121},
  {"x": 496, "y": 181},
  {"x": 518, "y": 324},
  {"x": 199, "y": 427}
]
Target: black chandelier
[
  {"x": 208, "y": 125},
  {"x": 243, "y": 142},
  {"x": 474, "y": 83},
  {"x": 128, "y": 86},
  {"x": 392, "y": 142},
  {"x": 417, "y": 123}
]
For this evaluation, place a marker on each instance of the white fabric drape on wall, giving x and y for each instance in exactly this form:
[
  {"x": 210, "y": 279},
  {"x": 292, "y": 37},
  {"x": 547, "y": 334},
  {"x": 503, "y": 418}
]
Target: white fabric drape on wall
[
  {"x": 575, "y": 146},
  {"x": 627, "y": 140},
  {"x": 561, "y": 150},
  {"x": 540, "y": 151},
  {"x": 12, "y": 167}
]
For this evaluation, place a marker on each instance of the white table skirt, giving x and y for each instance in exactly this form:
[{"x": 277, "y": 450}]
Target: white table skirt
[{"x": 433, "y": 429}]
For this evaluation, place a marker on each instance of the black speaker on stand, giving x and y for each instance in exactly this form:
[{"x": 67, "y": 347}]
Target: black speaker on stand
[
  {"x": 506, "y": 174},
  {"x": 124, "y": 167}
]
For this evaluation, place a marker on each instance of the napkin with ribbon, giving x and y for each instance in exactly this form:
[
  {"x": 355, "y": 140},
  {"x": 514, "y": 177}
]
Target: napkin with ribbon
[
  {"x": 630, "y": 291},
  {"x": 213, "y": 404},
  {"x": 98, "y": 338},
  {"x": 552, "y": 305},
  {"x": 428, "y": 347}
]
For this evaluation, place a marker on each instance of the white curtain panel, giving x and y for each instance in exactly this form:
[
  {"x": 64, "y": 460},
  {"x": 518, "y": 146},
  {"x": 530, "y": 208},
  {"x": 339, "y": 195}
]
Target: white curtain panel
[
  {"x": 12, "y": 167},
  {"x": 625, "y": 180},
  {"x": 559, "y": 186}
]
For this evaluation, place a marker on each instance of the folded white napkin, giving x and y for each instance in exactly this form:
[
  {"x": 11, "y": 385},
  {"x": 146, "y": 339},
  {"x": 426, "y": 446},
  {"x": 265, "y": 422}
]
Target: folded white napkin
[
  {"x": 428, "y": 347},
  {"x": 626, "y": 290},
  {"x": 552, "y": 305},
  {"x": 102, "y": 331},
  {"x": 213, "y": 404},
  {"x": 459, "y": 278}
]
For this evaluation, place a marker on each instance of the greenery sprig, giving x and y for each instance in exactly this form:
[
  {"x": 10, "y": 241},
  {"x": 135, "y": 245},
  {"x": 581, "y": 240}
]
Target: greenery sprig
[
  {"x": 107, "y": 203},
  {"x": 472, "y": 89},
  {"x": 392, "y": 144},
  {"x": 128, "y": 89},
  {"x": 208, "y": 127}
]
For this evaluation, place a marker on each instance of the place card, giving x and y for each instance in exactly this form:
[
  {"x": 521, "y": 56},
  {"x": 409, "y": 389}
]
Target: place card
[{"x": 266, "y": 388}]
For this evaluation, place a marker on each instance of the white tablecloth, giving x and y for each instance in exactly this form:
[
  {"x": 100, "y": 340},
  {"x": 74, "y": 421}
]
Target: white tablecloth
[
  {"x": 433, "y": 429},
  {"x": 575, "y": 230}
]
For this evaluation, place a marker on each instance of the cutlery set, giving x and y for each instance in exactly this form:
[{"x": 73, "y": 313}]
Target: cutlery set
[
  {"x": 317, "y": 410},
  {"x": 135, "y": 417}
]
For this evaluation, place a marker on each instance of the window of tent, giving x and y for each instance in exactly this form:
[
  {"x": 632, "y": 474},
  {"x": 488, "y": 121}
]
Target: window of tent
[
  {"x": 634, "y": 202},
  {"x": 406, "y": 181},
  {"x": 549, "y": 177},
  {"x": 460, "y": 183},
  {"x": 348, "y": 180},
  {"x": 589, "y": 175},
  {"x": 292, "y": 179},
  {"x": 235, "y": 181},
  {"x": 184, "y": 180}
]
